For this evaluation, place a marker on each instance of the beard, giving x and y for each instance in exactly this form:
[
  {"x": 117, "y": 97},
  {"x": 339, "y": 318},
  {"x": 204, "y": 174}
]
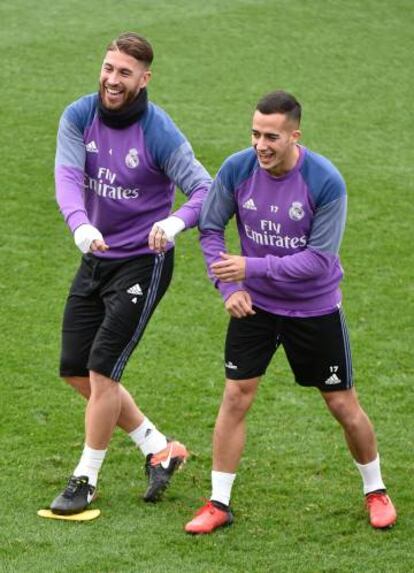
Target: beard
[{"x": 126, "y": 97}]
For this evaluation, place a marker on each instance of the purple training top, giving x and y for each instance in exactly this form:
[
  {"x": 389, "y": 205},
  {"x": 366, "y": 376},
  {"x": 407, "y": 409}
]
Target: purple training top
[
  {"x": 290, "y": 230},
  {"x": 122, "y": 181}
]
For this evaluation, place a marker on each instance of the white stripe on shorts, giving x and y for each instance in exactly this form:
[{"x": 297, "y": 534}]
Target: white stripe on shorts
[{"x": 149, "y": 303}]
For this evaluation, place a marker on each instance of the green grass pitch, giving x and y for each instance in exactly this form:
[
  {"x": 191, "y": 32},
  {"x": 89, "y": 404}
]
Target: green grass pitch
[{"x": 297, "y": 500}]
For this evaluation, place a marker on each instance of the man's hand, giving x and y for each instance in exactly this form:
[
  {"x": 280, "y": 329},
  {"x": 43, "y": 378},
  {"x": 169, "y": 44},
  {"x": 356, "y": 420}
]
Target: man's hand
[
  {"x": 231, "y": 269},
  {"x": 88, "y": 239},
  {"x": 239, "y": 304},
  {"x": 99, "y": 245},
  {"x": 164, "y": 232}
]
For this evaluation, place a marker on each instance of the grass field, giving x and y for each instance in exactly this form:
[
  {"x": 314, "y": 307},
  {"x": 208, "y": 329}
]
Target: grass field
[{"x": 297, "y": 503}]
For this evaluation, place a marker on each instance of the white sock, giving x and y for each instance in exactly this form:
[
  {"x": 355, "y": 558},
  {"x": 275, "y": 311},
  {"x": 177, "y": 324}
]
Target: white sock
[
  {"x": 371, "y": 475},
  {"x": 148, "y": 439},
  {"x": 221, "y": 484},
  {"x": 90, "y": 464}
]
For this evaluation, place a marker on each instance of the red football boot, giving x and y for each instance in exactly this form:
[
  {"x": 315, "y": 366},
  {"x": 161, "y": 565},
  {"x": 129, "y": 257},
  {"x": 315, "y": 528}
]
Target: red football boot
[
  {"x": 382, "y": 513},
  {"x": 209, "y": 517}
]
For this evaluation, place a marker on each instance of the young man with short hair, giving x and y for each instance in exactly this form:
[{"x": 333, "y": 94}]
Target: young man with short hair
[
  {"x": 119, "y": 158},
  {"x": 290, "y": 207}
]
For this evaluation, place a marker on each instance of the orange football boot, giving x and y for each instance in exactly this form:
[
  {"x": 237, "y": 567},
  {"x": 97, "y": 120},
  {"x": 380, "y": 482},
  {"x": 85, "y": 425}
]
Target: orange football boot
[
  {"x": 209, "y": 517},
  {"x": 382, "y": 513}
]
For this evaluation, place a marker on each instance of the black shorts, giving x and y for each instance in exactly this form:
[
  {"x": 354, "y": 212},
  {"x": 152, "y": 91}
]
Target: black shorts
[
  {"x": 317, "y": 348},
  {"x": 109, "y": 305}
]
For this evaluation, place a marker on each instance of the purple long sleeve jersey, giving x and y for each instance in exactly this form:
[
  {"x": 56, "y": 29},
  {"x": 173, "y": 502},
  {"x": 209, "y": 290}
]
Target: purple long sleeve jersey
[
  {"x": 290, "y": 230},
  {"x": 122, "y": 181}
]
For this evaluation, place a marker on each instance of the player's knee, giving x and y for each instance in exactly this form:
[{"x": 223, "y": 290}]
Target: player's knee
[
  {"x": 102, "y": 385},
  {"x": 346, "y": 411},
  {"x": 238, "y": 398},
  {"x": 337, "y": 405}
]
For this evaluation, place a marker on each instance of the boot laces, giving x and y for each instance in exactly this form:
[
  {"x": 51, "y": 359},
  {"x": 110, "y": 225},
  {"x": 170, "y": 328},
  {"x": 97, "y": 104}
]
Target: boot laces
[
  {"x": 73, "y": 486},
  {"x": 372, "y": 497}
]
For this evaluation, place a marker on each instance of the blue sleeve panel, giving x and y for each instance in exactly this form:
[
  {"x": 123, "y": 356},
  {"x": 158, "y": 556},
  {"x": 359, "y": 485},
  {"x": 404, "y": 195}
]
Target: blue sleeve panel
[
  {"x": 324, "y": 181},
  {"x": 171, "y": 151},
  {"x": 220, "y": 205},
  {"x": 238, "y": 167},
  {"x": 218, "y": 208},
  {"x": 162, "y": 136},
  {"x": 328, "y": 226},
  {"x": 185, "y": 170},
  {"x": 75, "y": 119},
  {"x": 328, "y": 192}
]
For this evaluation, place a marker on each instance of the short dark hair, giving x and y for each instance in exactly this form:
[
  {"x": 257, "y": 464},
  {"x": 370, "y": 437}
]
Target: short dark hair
[
  {"x": 134, "y": 45},
  {"x": 280, "y": 102}
]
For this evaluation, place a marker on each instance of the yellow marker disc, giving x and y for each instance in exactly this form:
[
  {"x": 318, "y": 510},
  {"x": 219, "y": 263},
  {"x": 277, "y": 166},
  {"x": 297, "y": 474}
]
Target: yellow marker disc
[{"x": 86, "y": 515}]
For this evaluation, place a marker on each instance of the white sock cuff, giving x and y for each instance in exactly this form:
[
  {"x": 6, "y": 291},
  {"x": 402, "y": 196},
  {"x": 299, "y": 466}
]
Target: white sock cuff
[
  {"x": 223, "y": 476},
  {"x": 371, "y": 475},
  {"x": 374, "y": 463},
  {"x": 148, "y": 439},
  {"x": 90, "y": 463},
  {"x": 221, "y": 486},
  {"x": 138, "y": 435},
  {"x": 98, "y": 455}
]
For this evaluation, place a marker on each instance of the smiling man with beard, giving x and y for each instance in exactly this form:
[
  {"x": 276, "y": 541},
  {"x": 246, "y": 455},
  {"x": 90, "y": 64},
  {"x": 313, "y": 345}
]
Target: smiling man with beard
[{"x": 119, "y": 158}]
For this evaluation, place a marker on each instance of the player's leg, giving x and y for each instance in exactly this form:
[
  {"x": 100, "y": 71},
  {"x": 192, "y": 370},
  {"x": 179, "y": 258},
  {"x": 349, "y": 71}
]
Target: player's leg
[
  {"x": 358, "y": 430},
  {"x": 141, "y": 430},
  {"x": 131, "y": 296},
  {"x": 79, "y": 383},
  {"x": 228, "y": 443},
  {"x": 230, "y": 429},
  {"x": 99, "y": 334},
  {"x": 361, "y": 440},
  {"x": 83, "y": 315},
  {"x": 130, "y": 417},
  {"x": 102, "y": 413},
  {"x": 106, "y": 401},
  {"x": 250, "y": 345},
  {"x": 319, "y": 353}
]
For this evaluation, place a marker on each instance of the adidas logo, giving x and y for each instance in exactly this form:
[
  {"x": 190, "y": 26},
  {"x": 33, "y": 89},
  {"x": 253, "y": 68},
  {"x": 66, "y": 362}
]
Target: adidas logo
[
  {"x": 91, "y": 147},
  {"x": 230, "y": 365},
  {"x": 333, "y": 380},
  {"x": 136, "y": 290},
  {"x": 249, "y": 204}
]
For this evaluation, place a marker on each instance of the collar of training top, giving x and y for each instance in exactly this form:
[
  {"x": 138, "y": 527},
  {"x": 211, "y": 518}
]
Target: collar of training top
[{"x": 118, "y": 119}]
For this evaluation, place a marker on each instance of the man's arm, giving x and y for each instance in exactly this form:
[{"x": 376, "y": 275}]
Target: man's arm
[
  {"x": 187, "y": 173},
  {"x": 191, "y": 177},
  {"x": 217, "y": 210},
  {"x": 69, "y": 180},
  {"x": 173, "y": 155},
  {"x": 70, "y": 173},
  {"x": 320, "y": 253}
]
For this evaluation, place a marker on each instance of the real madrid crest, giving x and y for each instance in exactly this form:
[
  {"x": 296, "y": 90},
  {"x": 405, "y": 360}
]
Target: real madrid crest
[
  {"x": 296, "y": 211},
  {"x": 131, "y": 159}
]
